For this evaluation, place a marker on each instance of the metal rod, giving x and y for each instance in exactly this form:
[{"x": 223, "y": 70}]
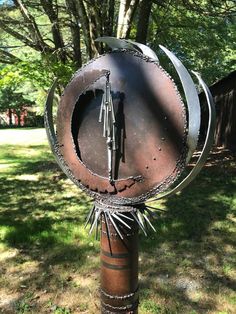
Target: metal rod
[
  {"x": 149, "y": 222},
  {"x": 125, "y": 216},
  {"x": 89, "y": 216},
  {"x": 108, "y": 231},
  {"x": 115, "y": 226},
  {"x": 140, "y": 225},
  {"x": 118, "y": 218}
]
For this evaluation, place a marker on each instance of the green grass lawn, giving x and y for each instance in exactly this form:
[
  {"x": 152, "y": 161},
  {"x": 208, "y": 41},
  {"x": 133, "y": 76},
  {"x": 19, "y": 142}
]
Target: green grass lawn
[{"x": 49, "y": 263}]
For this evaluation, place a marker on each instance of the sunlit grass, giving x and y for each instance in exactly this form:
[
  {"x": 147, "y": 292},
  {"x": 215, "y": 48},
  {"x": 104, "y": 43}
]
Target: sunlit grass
[{"x": 49, "y": 263}]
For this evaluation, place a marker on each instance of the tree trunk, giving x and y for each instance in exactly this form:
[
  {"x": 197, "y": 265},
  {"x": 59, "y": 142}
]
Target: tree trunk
[
  {"x": 110, "y": 20},
  {"x": 125, "y": 17},
  {"x": 142, "y": 27},
  {"x": 75, "y": 31},
  {"x": 52, "y": 14},
  {"x": 85, "y": 27},
  {"x": 10, "y": 116}
]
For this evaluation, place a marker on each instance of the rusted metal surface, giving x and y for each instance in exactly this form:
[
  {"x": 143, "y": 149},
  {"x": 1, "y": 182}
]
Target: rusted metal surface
[
  {"x": 123, "y": 137},
  {"x": 119, "y": 268},
  {"x": 150, "y": 128}
]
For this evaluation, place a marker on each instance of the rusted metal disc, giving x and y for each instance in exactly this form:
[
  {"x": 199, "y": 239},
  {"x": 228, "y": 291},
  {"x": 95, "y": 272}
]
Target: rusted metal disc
[{"x": 150, "y": 128}]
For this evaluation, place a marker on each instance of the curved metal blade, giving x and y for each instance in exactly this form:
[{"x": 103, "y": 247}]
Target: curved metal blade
[
  {"x": 48, "y": 119},
  {"x": 207, "y": 145},
  {"x": 193, "y": 104},
  {"x": 147, "y": 51},
  {"x": 51, "y": 134},
  {"x": 117, "y": 43}
]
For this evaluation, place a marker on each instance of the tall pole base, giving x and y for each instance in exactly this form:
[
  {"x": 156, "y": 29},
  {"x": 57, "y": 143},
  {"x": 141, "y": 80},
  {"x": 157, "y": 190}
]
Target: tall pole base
[{"x": 119, "y": 266}]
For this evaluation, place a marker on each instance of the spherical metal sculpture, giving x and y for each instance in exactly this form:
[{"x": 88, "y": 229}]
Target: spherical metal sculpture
[{"x": 124, "y": 135}]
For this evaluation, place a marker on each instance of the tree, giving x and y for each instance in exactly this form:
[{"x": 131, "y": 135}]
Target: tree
[
  {"x": 127, "y": 10},
  {"x": 201, "y": 33},
  {"x": 42, "y": 39},
  {"x": 13, "y": 101}
]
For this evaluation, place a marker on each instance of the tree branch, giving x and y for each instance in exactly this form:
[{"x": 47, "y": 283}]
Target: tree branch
[
  {"x": 53, "y": 18},
  {"x": 75, "y": 31},
  {"x": 10, "y": 56},
  {"x": 17, "y": 35},
  {"x": 32, "y": 26}
]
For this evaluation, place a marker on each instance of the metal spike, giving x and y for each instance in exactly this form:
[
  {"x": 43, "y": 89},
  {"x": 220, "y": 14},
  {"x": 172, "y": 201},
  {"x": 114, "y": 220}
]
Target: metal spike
[
  {"x": 122, "y": 215},
  {"x": 139, "y": 215},
  {"x": 151, "y": 225},
  {"x": 89, "y": 216},
  {"x": 97, "y": 213},
  {"x": 115, "y": 226},
  {"x": 147, "y": 206},
  {"x": 118, "y": 218},
  {"x": 146, "y": 226},
  {"x": 97, "y": 224},
  {"x": 108, "y": 231},
  {"x": 142, "y": 220},
  {"x": 138, "y": 222},
  {"x": 151, "y": 213}
]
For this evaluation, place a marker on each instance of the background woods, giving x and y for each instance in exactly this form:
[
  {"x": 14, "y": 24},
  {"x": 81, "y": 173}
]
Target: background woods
[{"x": 42, "y": 39}]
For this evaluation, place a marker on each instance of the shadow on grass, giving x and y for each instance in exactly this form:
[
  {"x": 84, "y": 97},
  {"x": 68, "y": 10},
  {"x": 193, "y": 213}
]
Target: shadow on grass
[
  {"x": 191, "y": 242},
  {"x": 43, "y": 220}
]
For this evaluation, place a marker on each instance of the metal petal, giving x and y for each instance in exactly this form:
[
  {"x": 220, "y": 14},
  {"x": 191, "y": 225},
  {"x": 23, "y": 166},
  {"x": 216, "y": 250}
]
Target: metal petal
[
  {"x": 51, "y": 135},
  {"x": 117, "y": 43},
  {"x": 147, "y": 51},
  {"x": 207, "y": 145},
  {"x": 193, "y": 104}
]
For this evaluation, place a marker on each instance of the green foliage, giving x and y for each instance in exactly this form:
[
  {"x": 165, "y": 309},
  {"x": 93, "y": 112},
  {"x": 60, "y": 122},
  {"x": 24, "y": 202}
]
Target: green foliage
[
  {"x": 201, "y": 33},
  {"x": 150, "y": 307},
  {"x": 203, "y": 39},
  {"x": 11, "y": 99},
  {"x": 23, "y": 306}
]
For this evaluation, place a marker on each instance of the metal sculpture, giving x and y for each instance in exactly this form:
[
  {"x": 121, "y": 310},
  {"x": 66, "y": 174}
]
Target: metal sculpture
[{"x": 125, "y": 136}]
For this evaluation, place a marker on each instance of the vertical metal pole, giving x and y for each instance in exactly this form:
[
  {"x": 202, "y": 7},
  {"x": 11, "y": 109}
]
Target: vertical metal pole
[{"x": 119, "y": 268}]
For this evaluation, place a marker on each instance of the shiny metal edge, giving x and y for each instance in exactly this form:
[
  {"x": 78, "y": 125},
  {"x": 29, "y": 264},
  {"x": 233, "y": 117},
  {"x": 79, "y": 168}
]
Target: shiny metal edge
[
  {"x": 193, "y": 104},
  {"x": 117, "y": 43},
  {"x": 207, "y": 145},
  {"x": 51, "y": 134}
]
